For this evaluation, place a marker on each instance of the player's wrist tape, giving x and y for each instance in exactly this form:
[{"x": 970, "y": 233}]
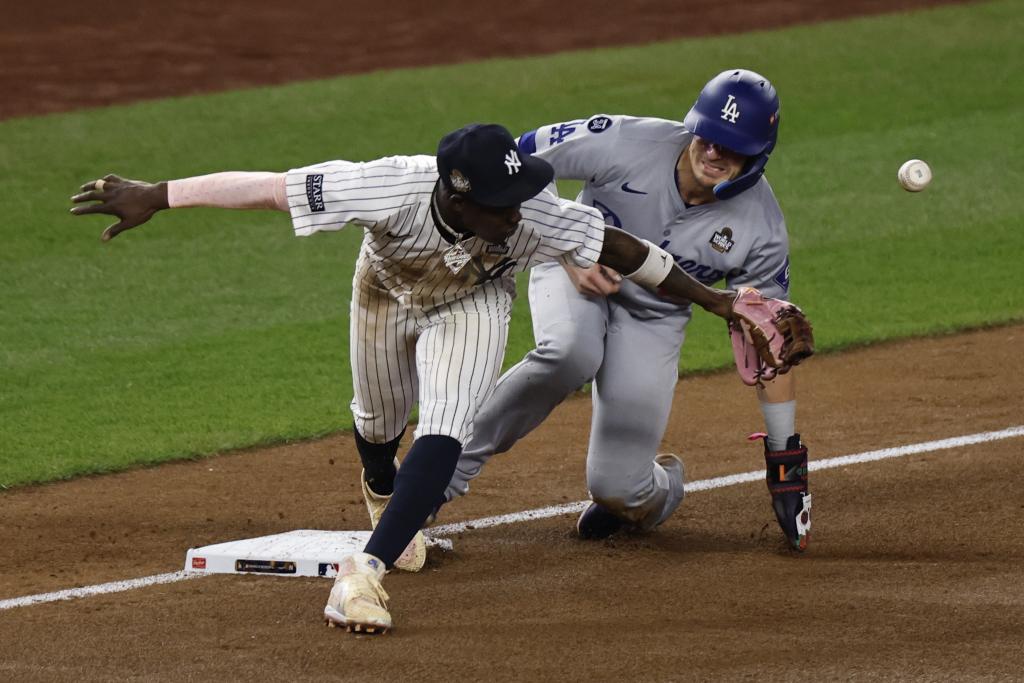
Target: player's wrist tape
[{"x": 655, "y": 268}]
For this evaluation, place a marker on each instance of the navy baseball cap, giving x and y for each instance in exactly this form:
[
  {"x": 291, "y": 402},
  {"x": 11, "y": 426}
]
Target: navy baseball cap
[{"x": 482, "y": 162}]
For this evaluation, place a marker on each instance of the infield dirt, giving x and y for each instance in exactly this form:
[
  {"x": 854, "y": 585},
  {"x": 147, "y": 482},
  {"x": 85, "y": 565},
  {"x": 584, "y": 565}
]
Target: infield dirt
[{"x": 914, "y": 570}]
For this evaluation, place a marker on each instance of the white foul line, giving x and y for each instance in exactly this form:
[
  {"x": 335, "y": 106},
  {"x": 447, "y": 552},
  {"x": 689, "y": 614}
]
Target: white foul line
[
  {"x": 733, "y": 479},
  {"x": 99, "y": 589},
  {"x": 543, "y": 513}
]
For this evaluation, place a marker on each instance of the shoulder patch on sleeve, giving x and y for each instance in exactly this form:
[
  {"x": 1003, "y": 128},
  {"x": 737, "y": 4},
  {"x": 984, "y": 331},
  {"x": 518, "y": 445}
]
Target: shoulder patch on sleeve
[
  {"x": 315, "y": 191},
  {"x": 782, "y": 277},
  {"x": 599, "y": 124}
]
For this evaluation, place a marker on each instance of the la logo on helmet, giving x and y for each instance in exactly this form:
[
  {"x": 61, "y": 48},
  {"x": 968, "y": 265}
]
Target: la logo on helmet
[{"x": 730, "y": 112}]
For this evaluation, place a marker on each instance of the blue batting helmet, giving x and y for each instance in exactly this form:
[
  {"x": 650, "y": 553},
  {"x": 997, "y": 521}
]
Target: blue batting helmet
[{"x": 738, "y": 109}]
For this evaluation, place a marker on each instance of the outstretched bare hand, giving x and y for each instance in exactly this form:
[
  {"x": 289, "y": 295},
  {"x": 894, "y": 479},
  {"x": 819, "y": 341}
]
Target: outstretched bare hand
[{"x": 133, "y": 201}]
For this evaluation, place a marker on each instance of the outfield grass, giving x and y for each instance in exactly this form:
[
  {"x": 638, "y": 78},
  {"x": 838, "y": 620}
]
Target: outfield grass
[{"x": 210, "y": 330}]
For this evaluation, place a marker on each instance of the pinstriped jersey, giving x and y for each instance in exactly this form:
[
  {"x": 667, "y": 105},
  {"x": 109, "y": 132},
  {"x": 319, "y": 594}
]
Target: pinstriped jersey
[
  {"x": 629, "y": 166},
  {"x": 406, "y": 244}
]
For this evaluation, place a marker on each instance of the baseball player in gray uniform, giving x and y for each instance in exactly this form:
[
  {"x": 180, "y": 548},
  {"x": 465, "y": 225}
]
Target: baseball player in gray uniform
[
  {"x": 431, "y": 302},
  {"x": 696, "y": 189}
]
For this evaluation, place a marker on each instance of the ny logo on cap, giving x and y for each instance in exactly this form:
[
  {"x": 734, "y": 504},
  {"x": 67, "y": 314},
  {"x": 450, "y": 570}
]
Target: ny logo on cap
[
  {"x": 512, "y": 162},
  {"x": 730, "y": 112}
]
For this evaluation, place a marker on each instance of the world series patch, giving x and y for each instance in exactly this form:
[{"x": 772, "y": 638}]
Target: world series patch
[{"x": 722, "y": 241}]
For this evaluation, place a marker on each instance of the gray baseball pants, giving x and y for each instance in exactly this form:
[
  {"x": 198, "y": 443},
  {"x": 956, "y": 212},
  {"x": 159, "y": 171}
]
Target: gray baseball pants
[{"x": 634, "y": 367}]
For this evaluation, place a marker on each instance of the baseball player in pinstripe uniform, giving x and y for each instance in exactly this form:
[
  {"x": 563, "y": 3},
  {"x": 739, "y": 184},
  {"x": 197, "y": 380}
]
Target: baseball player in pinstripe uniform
[
  {"x": 431, "y": 303},
  {"x": 696, "y": 189}
]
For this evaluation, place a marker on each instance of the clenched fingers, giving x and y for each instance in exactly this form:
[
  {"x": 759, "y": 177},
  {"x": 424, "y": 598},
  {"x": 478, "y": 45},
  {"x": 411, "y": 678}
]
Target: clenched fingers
[
  {"x": 605, "y": 280},
  {"x": 610, "y": 275}
]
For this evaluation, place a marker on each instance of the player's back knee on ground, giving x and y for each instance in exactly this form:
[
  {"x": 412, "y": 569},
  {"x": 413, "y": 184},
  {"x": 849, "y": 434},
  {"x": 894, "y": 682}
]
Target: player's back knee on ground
[
  {"x": 628, "y": 480},
  {"x": 631, "y": 493}
]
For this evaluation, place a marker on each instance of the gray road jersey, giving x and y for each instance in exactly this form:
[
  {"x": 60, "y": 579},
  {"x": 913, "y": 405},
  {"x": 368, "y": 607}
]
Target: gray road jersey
[{"x": 628, "y": 165}]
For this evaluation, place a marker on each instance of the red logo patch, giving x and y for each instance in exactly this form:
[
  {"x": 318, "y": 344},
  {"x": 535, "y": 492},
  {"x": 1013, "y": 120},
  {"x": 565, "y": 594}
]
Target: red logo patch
[{"x": 198, "y": 563}]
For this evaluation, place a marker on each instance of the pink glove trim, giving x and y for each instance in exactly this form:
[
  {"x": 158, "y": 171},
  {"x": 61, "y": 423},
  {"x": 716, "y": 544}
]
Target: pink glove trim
[
  {"x": 748, "y": 363},
  {"x": 761, "y": 311}
]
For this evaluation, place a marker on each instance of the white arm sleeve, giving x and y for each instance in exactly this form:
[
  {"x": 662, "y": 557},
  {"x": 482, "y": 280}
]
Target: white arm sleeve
[{"x": 230, "y": 190}]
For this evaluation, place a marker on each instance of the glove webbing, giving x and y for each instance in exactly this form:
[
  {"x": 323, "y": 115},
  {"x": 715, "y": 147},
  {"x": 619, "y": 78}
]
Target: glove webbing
[{"x": 786, "y": 471}]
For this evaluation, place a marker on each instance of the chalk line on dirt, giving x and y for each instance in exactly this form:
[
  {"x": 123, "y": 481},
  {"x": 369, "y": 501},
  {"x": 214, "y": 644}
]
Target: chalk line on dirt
[
  {"x": 733, "y": 479},
  {"x": 98, "y": 589},
  {"x": 544, "y": 513}
]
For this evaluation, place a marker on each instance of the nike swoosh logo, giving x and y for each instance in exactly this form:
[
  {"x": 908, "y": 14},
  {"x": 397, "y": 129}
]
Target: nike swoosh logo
[{"x": 627, "y": 188}]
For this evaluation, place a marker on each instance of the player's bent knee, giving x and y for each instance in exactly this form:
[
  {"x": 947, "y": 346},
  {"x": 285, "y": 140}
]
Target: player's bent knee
[
  {"x": 375, "y": 432},
  {"x": 570, "y": 356}
]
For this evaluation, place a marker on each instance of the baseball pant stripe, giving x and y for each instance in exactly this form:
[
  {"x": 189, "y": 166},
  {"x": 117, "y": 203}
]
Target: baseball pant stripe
[
  {"x": 384, "y": 390},
  {"x": 455, "y": 381}
]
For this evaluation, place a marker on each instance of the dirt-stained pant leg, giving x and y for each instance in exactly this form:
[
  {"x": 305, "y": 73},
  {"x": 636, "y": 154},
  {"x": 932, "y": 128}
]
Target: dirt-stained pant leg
[
  {"x": 458, "y": 358},
  {"x": 446, "y": 358},
  {"x": 632, "y": 397},
  {"x": 568, "y": 328},
  {"x": 382, "y": 352}
]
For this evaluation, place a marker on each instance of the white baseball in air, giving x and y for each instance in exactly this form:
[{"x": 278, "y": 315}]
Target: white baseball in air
[{"x": 914, "y": 175}]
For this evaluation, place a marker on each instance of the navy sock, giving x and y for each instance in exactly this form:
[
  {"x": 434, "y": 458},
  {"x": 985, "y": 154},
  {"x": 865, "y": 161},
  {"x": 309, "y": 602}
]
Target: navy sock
[
  {"x": 420, "y": 483},
  {"x": 378, "y": 462}
]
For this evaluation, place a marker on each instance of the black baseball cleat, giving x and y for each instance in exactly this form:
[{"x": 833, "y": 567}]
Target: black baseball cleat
[
  {"x": 598, "y": 522},
  {"x": 793, "y": 511},
  {"x": 786, "y": 475}
]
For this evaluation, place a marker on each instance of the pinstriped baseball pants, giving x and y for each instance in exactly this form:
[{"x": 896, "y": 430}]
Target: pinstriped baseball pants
[{"x": 448, "y": 357}]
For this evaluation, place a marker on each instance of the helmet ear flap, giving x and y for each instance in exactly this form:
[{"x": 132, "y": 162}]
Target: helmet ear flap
[{"x": 752, "y": 172}]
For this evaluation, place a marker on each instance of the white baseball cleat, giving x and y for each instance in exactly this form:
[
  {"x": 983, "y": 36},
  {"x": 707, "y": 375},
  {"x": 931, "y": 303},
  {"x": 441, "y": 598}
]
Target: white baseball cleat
[
  {"x": 414, "y": 556},
  {"x": 358, "y": 602}
]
